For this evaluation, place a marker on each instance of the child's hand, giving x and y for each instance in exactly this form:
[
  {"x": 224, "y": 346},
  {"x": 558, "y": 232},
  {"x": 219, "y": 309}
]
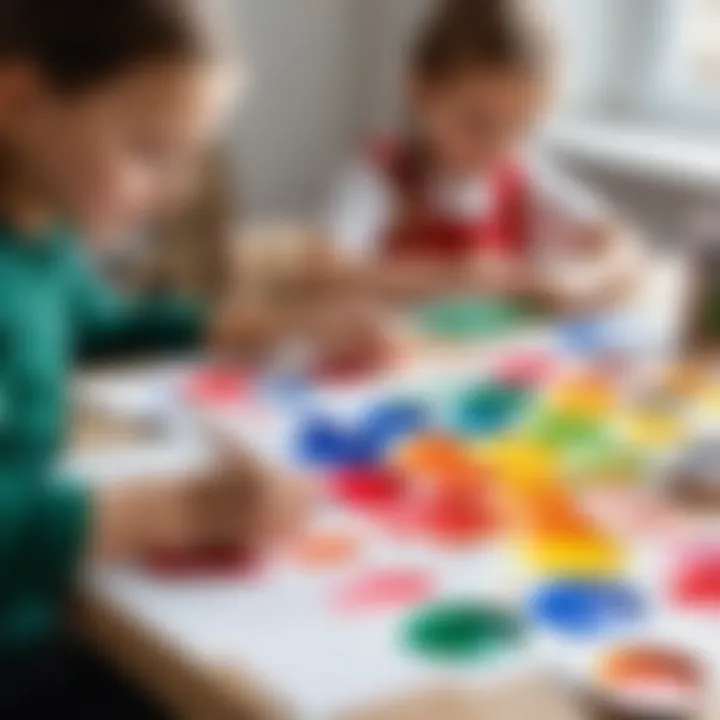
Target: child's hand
[
  {"x": 497, "y": 274},
  {"x": 239, "y": 502},
  {"x": 413, "y": 280},
  {"x": 250, "y": 328},
  {"x": 246, "y": 501},
  {"x": 592, "y": 267},
  {"x": 350, "y": 330}
]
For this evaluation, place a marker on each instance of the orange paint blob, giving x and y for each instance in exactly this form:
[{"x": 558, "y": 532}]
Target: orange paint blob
[
  {"x": 441, "y": 461},
  {"x": 551, "y": 510},
  {"x": 651, "y": 668},
  {"x": 559, "y": 538},
  {"x": 326, "y": 550},
  {"x": 432, "y": 452}
]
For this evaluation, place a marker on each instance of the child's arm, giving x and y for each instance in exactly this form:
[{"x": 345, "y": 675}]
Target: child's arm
[
  {"x": 603, "y": 279},
  {"x": 109, "y": 324},
  {"x": 42, "y": 535},
  {"x": 239, "y": 502},
  {"x": 49, "y": 532}
]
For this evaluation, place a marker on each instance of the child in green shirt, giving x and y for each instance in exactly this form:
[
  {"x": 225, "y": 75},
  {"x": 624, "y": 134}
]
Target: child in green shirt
[{"x": 103, "y": 107}]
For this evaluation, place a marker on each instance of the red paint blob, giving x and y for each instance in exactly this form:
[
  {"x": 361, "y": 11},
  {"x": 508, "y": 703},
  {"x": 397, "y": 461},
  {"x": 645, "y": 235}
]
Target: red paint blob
[
  {"x": 450, "y": 517},
  {"x": 384, "y": 589},
  {"x": 696, "y": 583},
  {"x": 213, "y": 562},
  {"x": 218, "y": 386},
  {"x": 376, "y": 490}
]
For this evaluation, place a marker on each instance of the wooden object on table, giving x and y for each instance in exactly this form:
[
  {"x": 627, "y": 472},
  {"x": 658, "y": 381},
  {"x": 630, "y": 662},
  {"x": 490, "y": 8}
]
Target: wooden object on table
[
  {"x": 533, "y": 697},
  {"x": 93, "y": 429}
]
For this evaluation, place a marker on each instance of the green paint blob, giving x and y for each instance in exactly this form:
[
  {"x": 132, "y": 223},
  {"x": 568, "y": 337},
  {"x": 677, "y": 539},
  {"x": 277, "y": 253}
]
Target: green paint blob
[
  {"x": 462, "y": 631},
  {"x": 570, "y": 433},
  {"x": 608, "y": 465},
  {"x": 470, "y": 319}
]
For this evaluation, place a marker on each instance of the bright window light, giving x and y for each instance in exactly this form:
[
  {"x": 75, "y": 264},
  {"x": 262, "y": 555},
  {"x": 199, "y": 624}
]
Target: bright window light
[{"x": 695, "y": 62}]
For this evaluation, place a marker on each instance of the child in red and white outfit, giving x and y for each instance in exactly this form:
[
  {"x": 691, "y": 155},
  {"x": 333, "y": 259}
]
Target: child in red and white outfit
[{"x": 458, "y": 206}]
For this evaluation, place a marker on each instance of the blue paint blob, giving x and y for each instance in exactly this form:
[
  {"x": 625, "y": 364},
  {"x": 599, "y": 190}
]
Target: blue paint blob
[
  {"x": 608, "y": 334},
  {"x": 584, "y": 609},
  {"x": 363, "y": 451},
  {"x": 326, "y": 443},
  {"x": 584, "y": 336},
  {"x": 387, "y": 423},
  {"x": 323, "y": 442}
]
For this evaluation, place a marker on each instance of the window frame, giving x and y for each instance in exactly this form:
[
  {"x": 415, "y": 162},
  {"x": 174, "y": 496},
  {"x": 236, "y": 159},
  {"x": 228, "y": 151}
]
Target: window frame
[{"x": 672, "y": 96}]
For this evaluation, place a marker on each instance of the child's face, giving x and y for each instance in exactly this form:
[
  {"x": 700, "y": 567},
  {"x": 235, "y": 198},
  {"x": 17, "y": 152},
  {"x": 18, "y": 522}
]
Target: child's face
[
  {"x": 111, "y": 157},
  {"x": 477, "y": 118}
]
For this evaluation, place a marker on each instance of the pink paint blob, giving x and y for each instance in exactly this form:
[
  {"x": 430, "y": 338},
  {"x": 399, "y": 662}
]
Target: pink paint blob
[
  {"x": 628, "y": 512},
  {"x": 383, "y": 590},
  {"x": 524, "y": 368},
  {"x": 218, "y": 386}
]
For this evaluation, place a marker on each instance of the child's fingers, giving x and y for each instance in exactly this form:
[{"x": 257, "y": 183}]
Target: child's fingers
[
  {"x": 286, "y": 509},
  {"x": 249, "y": 500}
]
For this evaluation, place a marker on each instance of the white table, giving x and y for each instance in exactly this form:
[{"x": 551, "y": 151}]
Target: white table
[{"x": 231, "y": 649}]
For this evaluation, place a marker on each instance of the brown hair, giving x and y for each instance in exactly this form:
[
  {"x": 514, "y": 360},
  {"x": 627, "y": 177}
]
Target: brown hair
[
  {"x": 461, "y": 34},
  {"x": 79, "y": 43}
]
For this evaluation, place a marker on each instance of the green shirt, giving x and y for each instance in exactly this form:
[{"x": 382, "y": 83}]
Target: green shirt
[{"x": 53, "y": 308}]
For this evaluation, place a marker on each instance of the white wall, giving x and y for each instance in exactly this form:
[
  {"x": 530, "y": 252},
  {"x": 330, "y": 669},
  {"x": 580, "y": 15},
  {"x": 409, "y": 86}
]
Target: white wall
[
  {"x": 389, "y": 26},
  {"x": 323, "y": 73},
  {"x": 298, "y": 115}
]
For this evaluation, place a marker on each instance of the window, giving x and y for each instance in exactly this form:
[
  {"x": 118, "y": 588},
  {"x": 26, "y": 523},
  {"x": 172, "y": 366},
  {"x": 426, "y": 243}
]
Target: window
[
  {"x": 647, "y": 61},
  {"x": 685, "y": 61},
  {"x": 695, "y": 47}
]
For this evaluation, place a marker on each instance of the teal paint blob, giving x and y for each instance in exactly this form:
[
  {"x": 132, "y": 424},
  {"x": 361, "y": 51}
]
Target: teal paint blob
[{"x": 489, "y": 408}]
